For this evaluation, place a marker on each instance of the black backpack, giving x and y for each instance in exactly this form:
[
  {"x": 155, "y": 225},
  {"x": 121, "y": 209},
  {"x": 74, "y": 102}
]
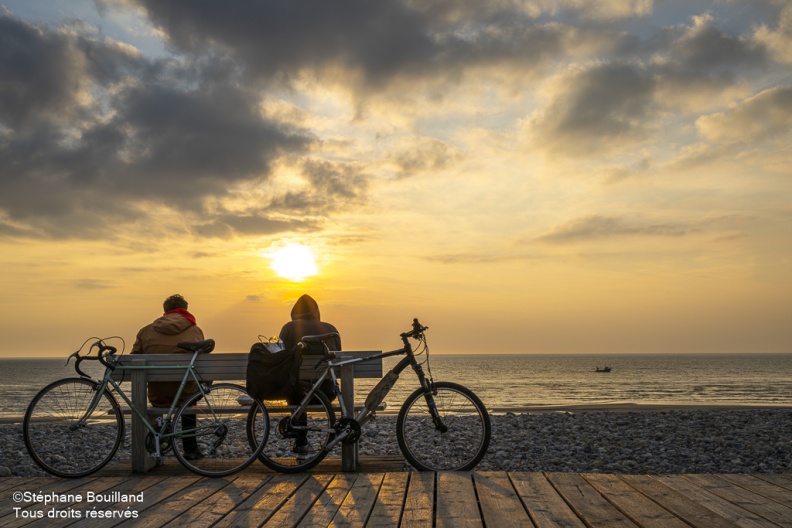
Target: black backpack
[{"x": 272, "y": 375}]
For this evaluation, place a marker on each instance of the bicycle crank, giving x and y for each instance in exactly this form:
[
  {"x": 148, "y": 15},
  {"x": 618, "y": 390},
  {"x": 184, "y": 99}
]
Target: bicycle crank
[{"x": 351, "y": 427}]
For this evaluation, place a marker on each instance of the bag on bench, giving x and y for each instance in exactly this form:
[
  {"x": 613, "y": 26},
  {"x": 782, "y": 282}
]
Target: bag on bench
[{"x": 272, "y": 375}]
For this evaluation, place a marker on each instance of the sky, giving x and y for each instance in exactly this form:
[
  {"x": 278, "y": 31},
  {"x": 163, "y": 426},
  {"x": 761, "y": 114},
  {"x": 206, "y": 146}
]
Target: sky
[{"x": 548, "y": 176}]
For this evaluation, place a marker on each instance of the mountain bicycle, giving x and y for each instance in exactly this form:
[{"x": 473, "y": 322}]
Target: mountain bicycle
[
  {"x": 442, "y": 426},
  {"x": 74, "y": 426}
]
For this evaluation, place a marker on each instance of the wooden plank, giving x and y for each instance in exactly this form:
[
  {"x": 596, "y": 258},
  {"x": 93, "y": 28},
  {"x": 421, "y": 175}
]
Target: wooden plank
[
  {"x": 587, "y": 503},
  {"x": 160, "y": 493},
  {"x": 456, "y": 501},
  {"x": 133, "y": 486},
  {"x": 720, "y": 506},
  {"x": 357, "y": 505},
  {"x": 545, "y": 506},
  {"x": 780, "y": 480},
  {"x": 765, "y": 489},
  {"x": 746, "y": 499},
  {"x": 298, "y": 505},
  {"x": 262, "y": 504},
  {"x": 418, "y": 503},
  {"x": 177, "y": 504},
  {"x": 20, "y": 483},
  {"x": 213, "y": 508},
  {"x": 500, "y": 505},
  {"x": 388, "y": 507},
  {"x": 8, "y": 516},
  {"x": 328, "y": 503},
  {"x": 97, "y": 486},
  {"x": 642, "y": 511},
  {"x": 680, "y": 505}
]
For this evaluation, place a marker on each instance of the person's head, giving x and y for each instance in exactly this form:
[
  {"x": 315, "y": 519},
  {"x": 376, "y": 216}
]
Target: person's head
[
  {"x": 305, "y": 308},
  {"x": 173, "y": 302}
]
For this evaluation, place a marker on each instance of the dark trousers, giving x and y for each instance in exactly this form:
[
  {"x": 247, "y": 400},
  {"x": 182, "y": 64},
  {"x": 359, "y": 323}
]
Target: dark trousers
[
  {"x": 190, "y": 443},
  {"x": 301, "y": 420}
]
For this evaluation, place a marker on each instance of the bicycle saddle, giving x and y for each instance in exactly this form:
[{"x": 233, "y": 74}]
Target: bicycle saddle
[{"x": 202, "y": 347}]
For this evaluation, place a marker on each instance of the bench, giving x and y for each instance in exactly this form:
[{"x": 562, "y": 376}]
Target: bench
[{"x": 229, "y": 367}]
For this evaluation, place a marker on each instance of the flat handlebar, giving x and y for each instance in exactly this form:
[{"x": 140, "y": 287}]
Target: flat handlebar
[{"x": 417, "y": 330}]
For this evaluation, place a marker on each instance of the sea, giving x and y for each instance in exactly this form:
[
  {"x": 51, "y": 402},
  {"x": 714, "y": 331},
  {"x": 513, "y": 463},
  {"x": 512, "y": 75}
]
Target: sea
[{"x": 510, "y": 382}]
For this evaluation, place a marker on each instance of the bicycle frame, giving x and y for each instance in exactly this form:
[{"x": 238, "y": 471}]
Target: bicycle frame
[
  {"x": 189, "y": 372},
  {"x": 365, "y": 414}
]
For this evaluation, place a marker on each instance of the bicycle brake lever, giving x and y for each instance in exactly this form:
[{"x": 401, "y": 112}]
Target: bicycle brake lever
[{"x": 68, "y": 359}]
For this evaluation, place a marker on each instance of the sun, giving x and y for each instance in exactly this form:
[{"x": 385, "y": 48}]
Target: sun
[{"x": 294, "y": 262}]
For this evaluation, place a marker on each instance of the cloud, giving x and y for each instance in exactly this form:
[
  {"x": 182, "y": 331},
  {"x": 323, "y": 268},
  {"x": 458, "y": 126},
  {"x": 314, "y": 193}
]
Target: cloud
[
  {"x": 765, "y": 116},
  {"x": 421, "y": 155},
  {"x": 95, "y": 284},
  {"x": 229, "y": 225},
  {"x": 89, "y": 132},
  {"x": 705, "y": 48},
  {"x": 705, "y": 66},
  {"x": 41, "y": 74},
  {"x": 366, "y": 46},
  {"x": 602, "y": 107},
  {"x": 481, "y": 258},
  {"x": 778, "y": 40},
  {"x": 596, "y": 227}
]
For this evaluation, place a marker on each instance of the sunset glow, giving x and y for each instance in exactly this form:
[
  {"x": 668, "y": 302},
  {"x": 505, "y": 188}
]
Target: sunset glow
[
  {"x": 524, "y": 177},
  {"x": 294, "y": 262}
]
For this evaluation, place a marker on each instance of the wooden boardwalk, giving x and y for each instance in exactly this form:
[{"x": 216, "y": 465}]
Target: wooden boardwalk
[{"x": 491, "y": 499}]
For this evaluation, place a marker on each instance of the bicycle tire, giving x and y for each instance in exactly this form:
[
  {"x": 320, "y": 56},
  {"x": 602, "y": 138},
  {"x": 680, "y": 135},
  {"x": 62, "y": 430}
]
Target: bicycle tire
[
  {"x": 279, "y": 453},
  {"x": 461, "y": 447},
  {"x": 55, "y": 440},
  {"x": 221, "y": 431}
]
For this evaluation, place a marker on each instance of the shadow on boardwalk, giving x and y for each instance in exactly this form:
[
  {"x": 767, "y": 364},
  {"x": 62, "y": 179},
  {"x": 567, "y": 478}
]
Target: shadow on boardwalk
[{"x": 491, "y": 499}]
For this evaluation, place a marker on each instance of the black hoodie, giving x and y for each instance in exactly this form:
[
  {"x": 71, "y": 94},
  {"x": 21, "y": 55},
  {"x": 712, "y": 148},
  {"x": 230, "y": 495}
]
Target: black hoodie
[{"x": 306, "y": 321}]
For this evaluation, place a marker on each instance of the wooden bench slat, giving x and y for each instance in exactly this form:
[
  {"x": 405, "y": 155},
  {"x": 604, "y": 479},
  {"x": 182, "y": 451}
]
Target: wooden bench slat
[{"x": 232, "y": 366}]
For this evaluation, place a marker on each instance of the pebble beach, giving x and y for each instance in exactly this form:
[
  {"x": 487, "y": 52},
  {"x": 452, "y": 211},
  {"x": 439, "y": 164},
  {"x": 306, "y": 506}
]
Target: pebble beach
[{"x": 646, "y": 442}]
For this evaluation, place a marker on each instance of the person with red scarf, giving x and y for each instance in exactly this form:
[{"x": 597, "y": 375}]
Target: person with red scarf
[{"x": 175, "y": 326}]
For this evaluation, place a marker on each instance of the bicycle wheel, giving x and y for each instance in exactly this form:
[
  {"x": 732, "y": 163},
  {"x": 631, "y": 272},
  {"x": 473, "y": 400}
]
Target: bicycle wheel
[
  {"x": 298, "y": 446},
  {"x": 211, "y": 431},
  {"x": 60, "y": 435},
  {"x": 459, "y": 448}
]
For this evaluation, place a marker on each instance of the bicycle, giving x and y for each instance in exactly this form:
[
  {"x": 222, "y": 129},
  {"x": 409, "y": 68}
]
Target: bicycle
[
  {"x": 74, "y": 426},
  {"x": 442, "y": 426}
]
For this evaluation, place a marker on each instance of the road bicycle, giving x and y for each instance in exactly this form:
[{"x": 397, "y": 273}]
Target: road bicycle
[
  {"x": 74, "y": 426},
  {"x": 442, "y": 426}
]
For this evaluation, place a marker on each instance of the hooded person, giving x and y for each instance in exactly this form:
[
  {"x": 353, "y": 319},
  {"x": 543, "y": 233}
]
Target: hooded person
[
  {"x": 175, "y": 326},
  {"x": 305, "y": 321}
]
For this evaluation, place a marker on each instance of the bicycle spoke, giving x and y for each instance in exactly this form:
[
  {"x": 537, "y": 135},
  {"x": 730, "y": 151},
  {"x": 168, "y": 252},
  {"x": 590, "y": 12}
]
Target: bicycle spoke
[
  {"x": 212, "y": 431},
  {"x": 297, "y": 446},
  {"x": 59, "y": 441},
  {"x": 463, "y": 442}
]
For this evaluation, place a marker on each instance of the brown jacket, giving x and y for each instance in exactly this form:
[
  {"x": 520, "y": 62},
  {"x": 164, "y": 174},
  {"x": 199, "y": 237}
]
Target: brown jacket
[{"x": 161, "y": 337}]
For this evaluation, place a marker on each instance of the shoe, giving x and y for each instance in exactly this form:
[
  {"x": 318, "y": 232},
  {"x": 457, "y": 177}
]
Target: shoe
[
  {"x": 193, "y": 455},
  {"x": 303, "y": 452}
]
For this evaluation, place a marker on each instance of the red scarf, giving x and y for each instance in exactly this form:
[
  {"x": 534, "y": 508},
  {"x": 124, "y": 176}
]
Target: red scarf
[{"x": 184, "y": 313}]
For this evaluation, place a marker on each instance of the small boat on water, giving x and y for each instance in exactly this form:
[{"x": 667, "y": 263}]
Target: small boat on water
[{"x": 606, "y": 368}]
